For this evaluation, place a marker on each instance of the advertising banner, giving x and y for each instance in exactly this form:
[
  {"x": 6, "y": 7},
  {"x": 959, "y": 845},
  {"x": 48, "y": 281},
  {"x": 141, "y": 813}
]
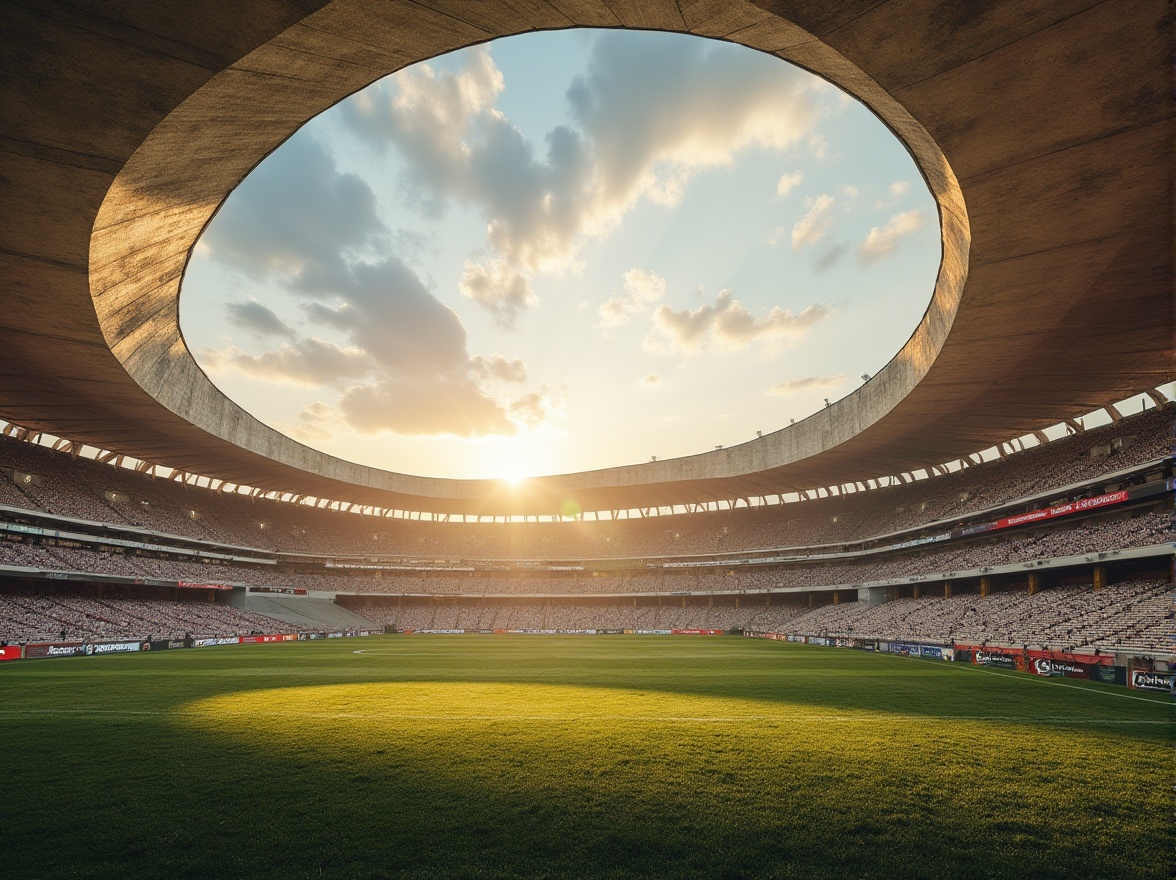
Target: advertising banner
[
  {"x": 259, "y": 640},
  {"x": 1059, "y": 664},
  {"x": 998, "y": 658},
  {"x": 44, "y": 650},
  {"x": 160, "y": 645},
  {"x": 190, "y": 586},
  {"x": 1149, "y": 680},
  {"x": 115, "y": 647},
  {"x": 817, "y": 640},
  {"x": 1078, "y": 506},
  {"x": 222, "y": 640},
  {"x": 10, "y": 652},
  {"x": 696, "y": 632},
  {"x": 286, "y": 591}
]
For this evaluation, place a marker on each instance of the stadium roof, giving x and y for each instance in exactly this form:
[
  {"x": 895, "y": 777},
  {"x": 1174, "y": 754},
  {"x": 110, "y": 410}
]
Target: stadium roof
[{"x": 1043, "y": 129}]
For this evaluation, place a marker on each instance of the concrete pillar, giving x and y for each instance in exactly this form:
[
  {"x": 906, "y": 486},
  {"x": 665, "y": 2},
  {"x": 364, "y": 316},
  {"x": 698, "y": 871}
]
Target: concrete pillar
[
  {"x": 1034, "y": 583},
  {"x": 984, "y": 584},
  {"x": 836, "y": 598},
  {"x": 1100, "y": 576},
  {"x": 947, "y": 589},
  {"x": 915, "y": 591},
  {"x": 810, "y": 600}
]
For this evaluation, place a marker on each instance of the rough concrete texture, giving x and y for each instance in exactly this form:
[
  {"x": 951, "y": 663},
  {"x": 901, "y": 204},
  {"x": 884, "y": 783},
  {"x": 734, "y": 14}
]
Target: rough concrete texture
[{"x": 1043, "y": 130}]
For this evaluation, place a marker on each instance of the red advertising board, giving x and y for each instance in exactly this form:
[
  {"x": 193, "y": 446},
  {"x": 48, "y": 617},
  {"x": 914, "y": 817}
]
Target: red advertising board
[
  {"x": 189, "y": 586},
  {"x": 697, "y": 632},
  {"x": 999, "y": 658},
  {"x": 1059, "y": 664},
  {"x": 10, "y": 652},
  {"x": 1061, "y": 510}
]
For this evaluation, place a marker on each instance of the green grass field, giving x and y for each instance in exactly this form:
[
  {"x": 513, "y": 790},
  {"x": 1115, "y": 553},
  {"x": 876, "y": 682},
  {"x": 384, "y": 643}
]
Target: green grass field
[{"x": 530, "y": 756}]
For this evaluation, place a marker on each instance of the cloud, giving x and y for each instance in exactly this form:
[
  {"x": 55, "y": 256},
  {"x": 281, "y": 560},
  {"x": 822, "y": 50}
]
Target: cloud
[
  {"x": 498, "y": 369},
  {"x": 650, "y": 111},
  {"x": 726, "y": 326},
  {"x": 815, "y": 224},
  {"x": 807, "y": 383},
  {"x": 830, "y": 255},
  {"x": 257, "y": 319},
  {"x": 294, "y": 210},
  {"x": 502, "y": 291},
  {"x": 899, "y": 188},
  {"x": 881, "y": 242},
  {"x": 788, "y": 182},
  {"x": 651, "y": 381},
  {"x": 308, "y": 363},
  {"x": 428, "y": 406},
  {"x": 777, "y": 235},
  {"x": 316, "y": 424},
  {"x": 642, "y": 290}
]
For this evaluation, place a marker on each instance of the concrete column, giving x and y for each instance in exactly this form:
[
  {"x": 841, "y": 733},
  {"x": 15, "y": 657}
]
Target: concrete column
[
  {"x": 1034, "y": 583},
  {"x": 836, "y": 597},
  {"x": 1100, "y": 576},
  {"x": 947, "y": 589},
  {"x": 915, "y": 591},
  {"x": 984, "y": 584}
]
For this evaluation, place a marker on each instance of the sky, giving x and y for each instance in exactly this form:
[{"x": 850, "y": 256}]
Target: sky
[{"x": 564, "y": 251}]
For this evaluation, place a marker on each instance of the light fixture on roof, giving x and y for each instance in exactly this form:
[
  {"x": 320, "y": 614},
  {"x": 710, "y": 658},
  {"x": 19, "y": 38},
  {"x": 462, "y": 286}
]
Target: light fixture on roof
[
  {"x": 759, "y": 433},
  {"x": 865, "y": 377},
  {"x": 827, "y": 403}
]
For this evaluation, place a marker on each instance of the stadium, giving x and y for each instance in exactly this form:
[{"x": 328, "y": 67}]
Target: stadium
[{"x": 925, "y": 629}]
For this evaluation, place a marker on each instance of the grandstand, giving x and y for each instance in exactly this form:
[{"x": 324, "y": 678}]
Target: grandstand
[{"x": 1000, "y": 493}]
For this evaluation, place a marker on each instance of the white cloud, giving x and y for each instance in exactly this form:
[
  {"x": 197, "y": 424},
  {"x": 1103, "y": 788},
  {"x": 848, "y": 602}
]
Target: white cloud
[
  {"x": 818, "y": 146},
  {"x": 788, "y": 182},
  {"x": 499, "y": 289},
  {"x": 899, "y": 188},
  {"x": 651, "y": 381},
  {"x": 815, "y": 224},
  {"x": 807, "y": 383},
  {"x": 881, "y": 242},
  {"x": 726, "y": 326},
  {"x": 642, "y": 290}
]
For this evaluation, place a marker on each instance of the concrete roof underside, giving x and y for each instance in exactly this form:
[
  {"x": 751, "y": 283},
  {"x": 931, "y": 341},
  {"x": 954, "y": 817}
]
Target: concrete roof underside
[{"x": 1044, "y": 131}]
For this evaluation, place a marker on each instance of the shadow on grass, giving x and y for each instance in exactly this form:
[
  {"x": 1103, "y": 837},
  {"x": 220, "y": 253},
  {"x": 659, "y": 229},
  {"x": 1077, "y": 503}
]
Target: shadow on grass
[{"x": 339, "y": 772}]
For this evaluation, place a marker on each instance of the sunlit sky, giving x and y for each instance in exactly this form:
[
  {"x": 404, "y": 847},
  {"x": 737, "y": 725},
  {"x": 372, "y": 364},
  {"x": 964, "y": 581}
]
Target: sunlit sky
[{"x": 564, "y": 251}]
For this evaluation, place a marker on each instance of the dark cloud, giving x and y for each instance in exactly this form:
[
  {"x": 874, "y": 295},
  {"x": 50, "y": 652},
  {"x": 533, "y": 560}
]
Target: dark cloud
[
  {"x": 295, "y": 210},
  {"x": 257, "y": 319}
]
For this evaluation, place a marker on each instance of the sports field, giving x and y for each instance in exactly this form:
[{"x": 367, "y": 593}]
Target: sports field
[{"x": 532, "y": 756}]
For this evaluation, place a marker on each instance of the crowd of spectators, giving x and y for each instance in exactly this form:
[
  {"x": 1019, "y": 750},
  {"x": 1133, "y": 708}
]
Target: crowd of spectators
[
  {"x": 77, "y": 487},
  {"x": 1147, "y": 529},
  {"x": 1133, "y": 614},
  {"x": 28, "y": 616},
  {"x": 559, "y": 616},
  {"x": 1094, "y": 536}
]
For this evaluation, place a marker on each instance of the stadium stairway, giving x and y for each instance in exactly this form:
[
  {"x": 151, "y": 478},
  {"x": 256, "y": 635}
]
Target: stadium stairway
[{"x": 321, "y": 614}]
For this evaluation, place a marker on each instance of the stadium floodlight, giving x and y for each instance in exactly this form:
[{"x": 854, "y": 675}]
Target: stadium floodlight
[
  {"x": 759, "y": 433},
  {"x": 865, "y": 377}
]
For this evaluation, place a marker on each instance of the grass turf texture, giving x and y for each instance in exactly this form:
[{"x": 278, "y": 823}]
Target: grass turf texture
[{"x": 617, "y": 757}]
